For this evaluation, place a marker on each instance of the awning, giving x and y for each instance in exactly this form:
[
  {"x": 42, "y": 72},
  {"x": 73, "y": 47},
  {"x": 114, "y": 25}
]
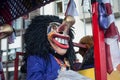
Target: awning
[{"x": 12, "y": 9}]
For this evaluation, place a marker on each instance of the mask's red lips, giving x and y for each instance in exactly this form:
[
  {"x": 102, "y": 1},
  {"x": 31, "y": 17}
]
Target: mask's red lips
[{"x": 61, "y": 41}]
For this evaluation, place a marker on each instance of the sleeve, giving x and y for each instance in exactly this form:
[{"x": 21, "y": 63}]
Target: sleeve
[
  {"x": 35, "y": 68},
  {"x": 88, "y": 60}
]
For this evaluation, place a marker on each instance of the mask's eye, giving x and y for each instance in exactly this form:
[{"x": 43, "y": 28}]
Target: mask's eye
[{"x": 53, "y": 26}]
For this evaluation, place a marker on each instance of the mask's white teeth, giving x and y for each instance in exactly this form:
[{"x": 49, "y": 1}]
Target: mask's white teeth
[
  {"x": 59, "y": 40},
  {"x": 65, "y": 42},
  {"x": 62, "y": 41},
  {"x": 56, "y": 39}
]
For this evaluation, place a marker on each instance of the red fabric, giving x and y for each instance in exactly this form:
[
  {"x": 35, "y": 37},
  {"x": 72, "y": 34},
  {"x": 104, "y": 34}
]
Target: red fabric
[{"x": 108, "y": 59}]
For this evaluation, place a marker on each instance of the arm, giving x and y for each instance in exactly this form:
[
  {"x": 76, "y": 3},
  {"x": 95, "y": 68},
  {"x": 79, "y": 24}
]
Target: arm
[{"x": 35, "y": 68}]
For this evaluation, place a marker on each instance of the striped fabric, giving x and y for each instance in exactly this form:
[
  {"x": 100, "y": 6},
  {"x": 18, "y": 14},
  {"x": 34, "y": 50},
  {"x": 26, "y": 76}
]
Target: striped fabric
[{"x": 111, "y": 39}]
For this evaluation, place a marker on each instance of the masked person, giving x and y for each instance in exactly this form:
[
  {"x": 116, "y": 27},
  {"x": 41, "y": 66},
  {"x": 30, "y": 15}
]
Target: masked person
[
  {"x": 49, "y": 47},
  {"x": 87, "y": 52}
]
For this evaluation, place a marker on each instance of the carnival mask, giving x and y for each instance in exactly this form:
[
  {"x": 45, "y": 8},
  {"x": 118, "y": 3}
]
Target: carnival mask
[
  {"x": 5, "y": 30},
  {"x": 58, "y": 34}
]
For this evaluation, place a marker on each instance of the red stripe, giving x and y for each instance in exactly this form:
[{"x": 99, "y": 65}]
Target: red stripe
[
  {"x": 108, "y": 59},
  {"x": 108, "y": 8},
  {"x": 111, "y": 31}
]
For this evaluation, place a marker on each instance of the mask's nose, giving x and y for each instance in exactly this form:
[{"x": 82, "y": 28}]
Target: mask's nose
[
  {"x": 69, "y": 20},
  {"x": 63, "y": 29},
  {"x": 65, "y": 26}
]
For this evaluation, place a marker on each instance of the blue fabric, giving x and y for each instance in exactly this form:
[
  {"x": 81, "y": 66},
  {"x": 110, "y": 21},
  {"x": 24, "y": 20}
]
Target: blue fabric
[
  {"x": 103, "y": 18},
  {"x": 37, "y": 69}
]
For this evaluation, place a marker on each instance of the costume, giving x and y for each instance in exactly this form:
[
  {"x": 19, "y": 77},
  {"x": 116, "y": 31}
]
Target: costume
[
  {"x": 87, "y": 53},
  {"x": 49, "y": 47},
  {"x": 88, "y": 60}
]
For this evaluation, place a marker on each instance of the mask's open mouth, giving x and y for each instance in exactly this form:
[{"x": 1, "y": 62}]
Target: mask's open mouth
[{"x": 60, "y": 41}]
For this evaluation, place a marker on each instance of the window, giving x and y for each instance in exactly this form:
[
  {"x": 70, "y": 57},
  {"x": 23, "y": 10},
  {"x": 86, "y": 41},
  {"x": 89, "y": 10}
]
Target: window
[
  {"x": 65, "y": 5},
  {"x": 17, "y": 24},
  {"x": 111, "y": 1},
  {"x": 26, "y": 23},
  {"x": 61, "y": 6},
  {"x": 17, "y": 43},
  {"x": 4, "y": 44},
  {"x": 86, "y": 6},
  {"x": 4, "y": 56},
  {"x": 119, "y": 5}
]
